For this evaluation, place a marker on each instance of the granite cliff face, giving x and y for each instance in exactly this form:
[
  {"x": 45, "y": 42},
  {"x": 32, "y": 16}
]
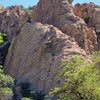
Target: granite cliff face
[
  {"x": 38, "y": 47},
  {"x": 10, "y": 19},
  {"x": 91, "y": 15},
  {"x": 60, "y": 14},
  {"x": 36, "y": 53}
]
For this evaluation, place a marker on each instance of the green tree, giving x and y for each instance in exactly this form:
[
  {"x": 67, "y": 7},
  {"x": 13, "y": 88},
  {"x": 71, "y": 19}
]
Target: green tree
[
  {"x": 26, "y": 98},
  {"x": 6, "y": 83},
  {"x": 82, "y": 80}
]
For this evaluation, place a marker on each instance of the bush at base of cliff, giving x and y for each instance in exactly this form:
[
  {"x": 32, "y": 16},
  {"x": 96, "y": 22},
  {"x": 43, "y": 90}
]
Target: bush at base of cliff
[
  {"x": 2, "y": 37},
  {"x": 5, "y": 94},
  {"x": 26, "y": 98},
  {"x": 82, "y": 80},
  {"x": 4, "y": 45},
  {"x": 6, "y": 83}
]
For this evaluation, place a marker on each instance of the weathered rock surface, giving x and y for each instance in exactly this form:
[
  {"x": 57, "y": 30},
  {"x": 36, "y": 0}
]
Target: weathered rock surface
[
  {"x": 37, "y": 49},
  {"x": 36, "y": 53},
  {"x": 91, "y": 14},
  {"x": 60, "y": 14},
  {"x": 10, "y": 19}
]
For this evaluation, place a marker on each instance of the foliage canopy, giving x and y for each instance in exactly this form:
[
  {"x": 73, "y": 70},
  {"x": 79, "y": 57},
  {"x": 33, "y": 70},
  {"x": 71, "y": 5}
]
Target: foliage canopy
[{"x": 81, "y": 79}]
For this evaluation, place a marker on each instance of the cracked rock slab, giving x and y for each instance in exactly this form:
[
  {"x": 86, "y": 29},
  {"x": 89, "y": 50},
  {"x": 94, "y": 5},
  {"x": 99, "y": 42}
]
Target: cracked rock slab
[{"x": 36, "y": 53}]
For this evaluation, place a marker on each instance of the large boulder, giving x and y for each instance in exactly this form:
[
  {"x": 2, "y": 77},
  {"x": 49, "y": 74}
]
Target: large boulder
[
  {"x": 60, "y": 14},
  {"x": 36, "y": 53}
]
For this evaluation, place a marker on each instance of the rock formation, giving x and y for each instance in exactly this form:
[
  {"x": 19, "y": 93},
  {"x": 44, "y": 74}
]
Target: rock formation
[
  {"x": 38, "y": 47},
  {"x": 10, "y": 19},
  {"x": 36, "y": 53},
  {"x": 60, "y": 14},
  {"x": 91, "y": 14}
]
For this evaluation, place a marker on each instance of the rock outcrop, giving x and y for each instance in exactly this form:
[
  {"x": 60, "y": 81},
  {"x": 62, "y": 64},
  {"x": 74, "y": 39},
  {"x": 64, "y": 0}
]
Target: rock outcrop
[
  {"x": 36, "y": 53},
  {"x": 60, "y": 14},
  {"x": 10, "y": 20},
  {"x": 39, "y": 46},
  {"x": 91, "y": 15}
]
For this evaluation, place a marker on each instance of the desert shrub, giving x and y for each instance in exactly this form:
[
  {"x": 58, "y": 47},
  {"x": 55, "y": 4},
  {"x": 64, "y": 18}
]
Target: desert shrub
[
  {"x": 82, "y": 80},
  {"x": 26, "y": 98},
  {"x": 2, "y": 37},
  {"x": 4, "y": 45},
  {"x": 6, "y": 83},
  {"x": 5, "y": 94},
  {"x": 96, "y": 57},
  {"x": 5, "y": 80}
]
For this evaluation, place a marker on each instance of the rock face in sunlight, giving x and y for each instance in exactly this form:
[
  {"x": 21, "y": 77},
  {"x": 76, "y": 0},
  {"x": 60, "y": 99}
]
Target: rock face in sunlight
[
  {"x": 36, "y": 53},
  {"x": 10, "y": 19},
  {"x": 43, "y": 36},
  {"x": 60, "y": 14},
  {"x": 91, "y": 14}
]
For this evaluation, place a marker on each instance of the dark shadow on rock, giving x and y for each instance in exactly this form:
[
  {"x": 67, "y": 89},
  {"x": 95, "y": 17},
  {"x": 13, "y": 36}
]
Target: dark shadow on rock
[{"x": 3, "y": 51}]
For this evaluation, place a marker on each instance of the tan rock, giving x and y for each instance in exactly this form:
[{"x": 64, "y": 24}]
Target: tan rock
[
  {"x": 60, "y": 14},
  {"x": 91, "y": 14},
  {"x": 36, "y": 53},
  {"x": 10, "y": 19}
]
